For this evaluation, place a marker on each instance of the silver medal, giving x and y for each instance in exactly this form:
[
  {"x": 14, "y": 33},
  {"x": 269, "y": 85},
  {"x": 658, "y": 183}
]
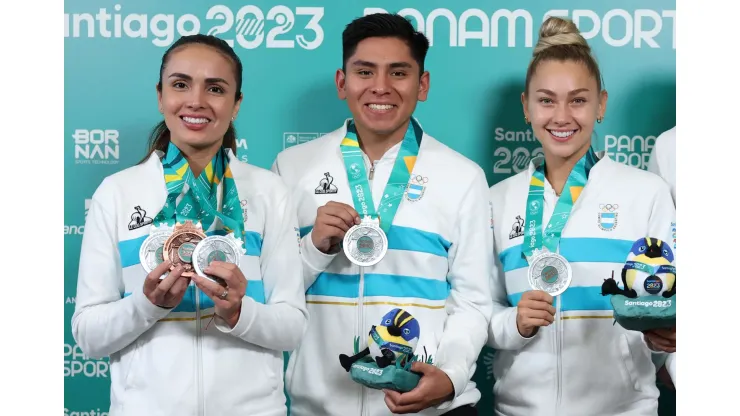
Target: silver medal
[
  {"x": 227, "y": 249},
  {"x": 365, "y": 244},
  {"x": 549, "y": 272},
  {"x": 151, "y": 252}
]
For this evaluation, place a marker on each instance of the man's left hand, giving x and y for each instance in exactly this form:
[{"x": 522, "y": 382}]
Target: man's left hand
[{"x": 434, "y": 388}]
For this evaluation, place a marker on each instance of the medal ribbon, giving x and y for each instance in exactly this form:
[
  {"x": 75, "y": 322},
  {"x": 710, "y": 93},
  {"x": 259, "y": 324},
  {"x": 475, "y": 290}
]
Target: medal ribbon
[
  {"x": 650, "y": 269},
  {"x": 200, "y": 201},
  {"x": 393, "y": 346},
  {"x": 535, "y": 237},
  {"x": 357, "y": 174}
]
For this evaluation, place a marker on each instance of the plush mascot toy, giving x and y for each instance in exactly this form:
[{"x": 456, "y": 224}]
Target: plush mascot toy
[
  {"x": 647, "y": 298},
  {"x": 386, "y": 361}
]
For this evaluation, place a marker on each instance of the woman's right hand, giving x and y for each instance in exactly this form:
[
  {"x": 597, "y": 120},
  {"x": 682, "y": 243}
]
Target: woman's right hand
[
  {"x": 167, "y": 292},
  {"x": 533, "y": 311}
]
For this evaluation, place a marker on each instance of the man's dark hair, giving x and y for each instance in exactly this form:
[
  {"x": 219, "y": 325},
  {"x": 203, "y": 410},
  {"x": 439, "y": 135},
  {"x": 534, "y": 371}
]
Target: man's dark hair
[{"x": 384, "y": 25}]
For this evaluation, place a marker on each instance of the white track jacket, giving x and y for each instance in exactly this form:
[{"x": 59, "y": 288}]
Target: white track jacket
[
  {"x": 171, "y": 362},
  {"x": 438, "y": 268},
  {"x": 583, "y": 364}
]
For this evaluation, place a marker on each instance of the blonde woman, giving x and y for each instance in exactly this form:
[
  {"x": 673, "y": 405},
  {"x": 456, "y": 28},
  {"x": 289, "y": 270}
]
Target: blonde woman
[{"x": 559, "y": 351}]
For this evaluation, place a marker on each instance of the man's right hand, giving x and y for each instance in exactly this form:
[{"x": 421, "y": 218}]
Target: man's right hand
[
  {"x": 533, "y": 311},
  {"x": 332, "y": 222}
]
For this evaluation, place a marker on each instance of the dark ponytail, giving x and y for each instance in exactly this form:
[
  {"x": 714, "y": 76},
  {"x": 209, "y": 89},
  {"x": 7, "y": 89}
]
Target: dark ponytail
[{"x": 159, "y": 138}]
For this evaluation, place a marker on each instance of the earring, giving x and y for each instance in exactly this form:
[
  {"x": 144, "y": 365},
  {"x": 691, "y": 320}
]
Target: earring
[
  {"x": 232, "y": 118},
  {"x": 526, "y": 120},
  {"x": 598, "y": 120}
]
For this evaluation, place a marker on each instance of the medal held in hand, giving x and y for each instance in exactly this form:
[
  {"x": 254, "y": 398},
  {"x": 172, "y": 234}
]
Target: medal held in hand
[
  {"x": 151, "y": 252},
  {"x": 180, "y": 246},
  {"x": 548, "y": 270},
  {"x": 366, "y": 243},
  {"x": 226, "y": 248},
  {"x": 192, "y": 205}
]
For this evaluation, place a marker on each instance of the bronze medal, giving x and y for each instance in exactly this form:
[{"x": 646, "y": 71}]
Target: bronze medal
[{"x": 180, "y": 245}]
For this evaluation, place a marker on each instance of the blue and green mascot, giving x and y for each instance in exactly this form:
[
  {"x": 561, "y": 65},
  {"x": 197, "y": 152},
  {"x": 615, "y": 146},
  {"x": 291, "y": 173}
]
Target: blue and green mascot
[{"x": 647, "y": 298}]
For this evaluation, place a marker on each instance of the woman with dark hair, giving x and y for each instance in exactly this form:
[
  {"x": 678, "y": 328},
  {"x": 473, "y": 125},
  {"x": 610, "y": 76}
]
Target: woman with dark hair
[{"x": 212, "y": 239}]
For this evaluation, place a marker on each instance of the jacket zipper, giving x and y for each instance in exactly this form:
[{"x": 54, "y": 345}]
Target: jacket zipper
[
  {"x": 559, "y": 347},
  {"x": 361, "y": 326},
  {"x": 199, "y": 356},
  {"x": 360, "y": 301}
]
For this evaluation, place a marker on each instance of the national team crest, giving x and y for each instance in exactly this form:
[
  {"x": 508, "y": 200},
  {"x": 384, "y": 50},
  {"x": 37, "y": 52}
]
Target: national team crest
[
  {"x": 416, "y": 187},
  {"x": 608, "y": 216}
]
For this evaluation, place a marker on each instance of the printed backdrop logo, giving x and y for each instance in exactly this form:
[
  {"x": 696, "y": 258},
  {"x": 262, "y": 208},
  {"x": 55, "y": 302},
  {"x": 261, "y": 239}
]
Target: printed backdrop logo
[
  {"x": 250, "y": 26},
  {"x": 416, "y": 187},
  {"x": 91, "y": 412},
  {"x": 292, "y": 139},
  {"x": 241, "y": 150},
  {"x": 617, "y": 27},
  {"x": 517, "y": 229},
  {"x": 673, "y": 230},
  {"x": 608, "y": 216},
  {"x": 87, "y": 207},
  {"x": 506, "y": 160},
  {"x": 77, "y": 364},
  {"x": 78, "y": 229},
  {"x": 97, "y": 147},
  {"x": 630, "y": 150},
  {"x": 326, "y": 185}
]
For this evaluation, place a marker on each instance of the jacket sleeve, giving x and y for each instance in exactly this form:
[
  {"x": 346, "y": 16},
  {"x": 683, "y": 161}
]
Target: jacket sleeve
[
  {"x": 662, "y": 224},
  {"x": 313, "y": 260},
  {"x": 502, "y": 332},
  {"x": 469, "y": 303},
  {"x": 654, "y": 160},
  {"x": 280, "y": 322},
  {"x": 104, "y": 322},
  {"x": 671, "y": 367}
]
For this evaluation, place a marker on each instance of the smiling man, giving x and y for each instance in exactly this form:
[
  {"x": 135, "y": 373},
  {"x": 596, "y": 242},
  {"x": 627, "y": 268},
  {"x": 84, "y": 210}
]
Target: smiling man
[{"x": 417, "y": 223}]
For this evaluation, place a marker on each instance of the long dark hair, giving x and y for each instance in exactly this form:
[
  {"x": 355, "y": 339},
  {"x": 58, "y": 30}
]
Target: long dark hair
[{"x": 159, "y": 138}]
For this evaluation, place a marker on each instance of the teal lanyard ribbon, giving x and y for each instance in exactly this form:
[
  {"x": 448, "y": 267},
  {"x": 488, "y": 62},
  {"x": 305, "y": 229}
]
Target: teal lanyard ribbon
[
  {"x": 358, "y": 181},
  {"x": 650, "y": 268},
  {"x": 200, "y": 202},
  {"x": 535, "y": 237},
  {"x": 393, "y": 346}
]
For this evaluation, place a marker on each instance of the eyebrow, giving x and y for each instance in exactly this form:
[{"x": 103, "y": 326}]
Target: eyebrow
[
  {"x": 369, "y": 64},
  {"x": 189, "y": 78},
  {"x": 574, "y": 92}
]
